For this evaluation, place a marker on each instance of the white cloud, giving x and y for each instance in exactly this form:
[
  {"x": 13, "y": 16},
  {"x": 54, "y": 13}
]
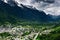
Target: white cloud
[
  {"x": 49, "y": 8},
  {"x": 53, "y": 11},
  {"x": 5, "y": 1}
]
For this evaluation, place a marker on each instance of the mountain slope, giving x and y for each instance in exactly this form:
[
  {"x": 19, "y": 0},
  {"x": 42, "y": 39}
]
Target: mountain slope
[{"x": 14, "y": 13}]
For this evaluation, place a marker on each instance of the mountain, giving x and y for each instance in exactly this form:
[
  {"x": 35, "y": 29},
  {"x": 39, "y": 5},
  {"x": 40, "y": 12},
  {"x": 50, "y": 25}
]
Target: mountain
[{"x": 14, "y": 13}]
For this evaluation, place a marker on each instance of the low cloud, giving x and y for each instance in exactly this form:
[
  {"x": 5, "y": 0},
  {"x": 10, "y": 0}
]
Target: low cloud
[{"x": 48, "y": 6}]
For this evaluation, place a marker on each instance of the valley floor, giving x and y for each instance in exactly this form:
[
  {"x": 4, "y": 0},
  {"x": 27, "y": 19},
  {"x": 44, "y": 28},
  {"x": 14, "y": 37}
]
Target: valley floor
[{"x": 29, "y": 33}]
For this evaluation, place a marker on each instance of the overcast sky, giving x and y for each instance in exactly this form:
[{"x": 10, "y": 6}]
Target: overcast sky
[{"x": 48, "y": 6}]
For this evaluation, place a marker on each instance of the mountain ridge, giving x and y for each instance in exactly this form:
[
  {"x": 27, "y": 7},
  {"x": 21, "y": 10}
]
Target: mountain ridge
[{"x": 13, "y": 13}]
